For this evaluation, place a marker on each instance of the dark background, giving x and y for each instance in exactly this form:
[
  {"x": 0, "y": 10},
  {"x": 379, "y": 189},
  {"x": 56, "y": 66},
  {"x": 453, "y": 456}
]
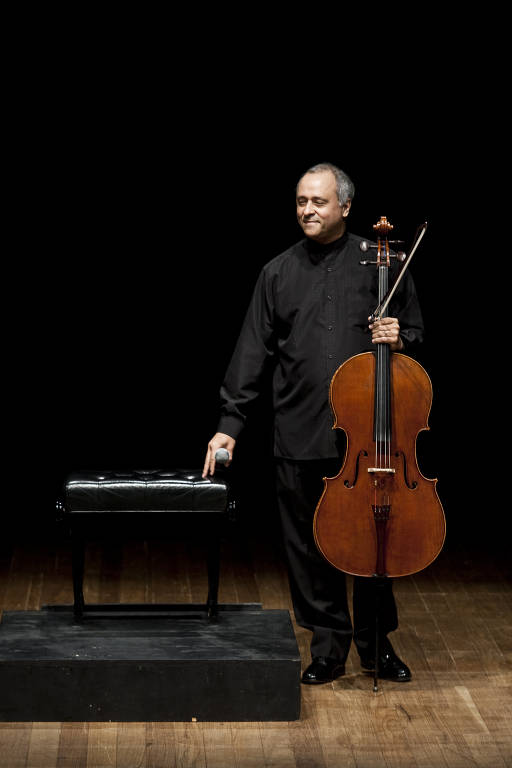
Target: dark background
[{"x": 147, "y": 195}]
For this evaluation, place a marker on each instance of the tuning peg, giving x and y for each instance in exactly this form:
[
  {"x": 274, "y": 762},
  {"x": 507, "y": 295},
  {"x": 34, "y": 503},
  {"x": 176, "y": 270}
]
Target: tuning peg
[{"x": 364, "y": 245}]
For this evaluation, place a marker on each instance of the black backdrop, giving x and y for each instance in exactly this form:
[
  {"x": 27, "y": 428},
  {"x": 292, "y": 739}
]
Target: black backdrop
[{"x": 146, "y": 213}]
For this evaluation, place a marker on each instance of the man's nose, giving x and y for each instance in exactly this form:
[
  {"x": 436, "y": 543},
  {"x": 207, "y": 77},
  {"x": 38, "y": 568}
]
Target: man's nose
[{"x": 309, "y": 208}]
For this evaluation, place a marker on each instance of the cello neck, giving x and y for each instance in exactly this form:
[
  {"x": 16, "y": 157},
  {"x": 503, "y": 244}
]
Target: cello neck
[{"x": 382, "y": 405}]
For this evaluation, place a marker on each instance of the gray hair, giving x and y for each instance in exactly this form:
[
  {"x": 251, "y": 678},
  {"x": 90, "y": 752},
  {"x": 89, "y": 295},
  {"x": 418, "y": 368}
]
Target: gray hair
[{"x": 345, "y": 189}]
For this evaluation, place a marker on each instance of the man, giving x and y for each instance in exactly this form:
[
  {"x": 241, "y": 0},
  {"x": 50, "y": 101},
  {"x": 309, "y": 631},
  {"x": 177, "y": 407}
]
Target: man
[{"x": 308, "y": 314}]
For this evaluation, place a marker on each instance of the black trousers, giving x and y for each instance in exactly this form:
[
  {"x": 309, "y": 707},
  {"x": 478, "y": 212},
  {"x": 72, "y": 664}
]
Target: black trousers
[{"x": 318, "y": 589}]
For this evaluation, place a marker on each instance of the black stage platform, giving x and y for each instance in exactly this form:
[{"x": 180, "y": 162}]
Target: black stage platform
[{"x": 156, "y": 663}]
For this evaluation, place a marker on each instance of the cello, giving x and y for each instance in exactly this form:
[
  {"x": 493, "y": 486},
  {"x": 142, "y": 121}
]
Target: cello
[{"x": 380, "y": 517}]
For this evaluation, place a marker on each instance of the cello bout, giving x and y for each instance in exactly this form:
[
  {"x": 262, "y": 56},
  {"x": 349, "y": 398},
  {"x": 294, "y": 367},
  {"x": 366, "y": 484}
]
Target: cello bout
[{"x": 380, "y": 520}]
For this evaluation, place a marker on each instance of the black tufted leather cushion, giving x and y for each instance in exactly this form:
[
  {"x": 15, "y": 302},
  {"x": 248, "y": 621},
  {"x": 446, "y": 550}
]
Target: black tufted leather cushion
[{"x": 152, "y": 490}]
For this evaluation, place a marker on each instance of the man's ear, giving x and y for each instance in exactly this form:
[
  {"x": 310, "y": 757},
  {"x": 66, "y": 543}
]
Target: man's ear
[{"x": 346, "y": 208}]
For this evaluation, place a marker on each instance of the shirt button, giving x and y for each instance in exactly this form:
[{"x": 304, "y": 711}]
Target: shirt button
[
  {"x": 329, "y": 327},
  {"x": 330, "y": 298}
]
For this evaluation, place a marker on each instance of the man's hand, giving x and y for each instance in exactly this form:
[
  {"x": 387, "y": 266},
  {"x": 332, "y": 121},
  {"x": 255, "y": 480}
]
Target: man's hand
[
  {"x": 387, "y": 331},
  {"x": 219, "y": 440}
]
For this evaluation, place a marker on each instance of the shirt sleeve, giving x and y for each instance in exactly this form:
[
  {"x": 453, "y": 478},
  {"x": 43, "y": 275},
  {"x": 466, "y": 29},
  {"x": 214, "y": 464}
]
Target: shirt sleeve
[
  {"x": 253, "y": 352},
  {"x": 406, "y": 308}
]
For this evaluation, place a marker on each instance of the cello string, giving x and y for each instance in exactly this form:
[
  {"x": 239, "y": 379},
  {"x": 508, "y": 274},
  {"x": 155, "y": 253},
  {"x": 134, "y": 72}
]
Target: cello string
[
  {"x": 377, "y": 380},
  {"x": 388, "y": 435},
  {"x": 379, "y": 392},
  {"x": 388, "y": 416},
  {"x": 376, "y": 414},
  {"x": 377, "y": 425},
  {"x": 379, "y": 410},
  {"x": 378, "y": 395},
  {"x": 382, "y": 409}
]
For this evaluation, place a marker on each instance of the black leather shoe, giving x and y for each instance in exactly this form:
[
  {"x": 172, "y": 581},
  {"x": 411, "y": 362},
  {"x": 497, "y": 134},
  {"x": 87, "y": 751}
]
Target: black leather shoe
[
  {"x": 323, "y": 670},
  {"x": 390, "y": 666}
]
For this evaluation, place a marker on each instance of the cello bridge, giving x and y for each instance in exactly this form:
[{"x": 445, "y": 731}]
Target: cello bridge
[{"x": 382, "y": 470}]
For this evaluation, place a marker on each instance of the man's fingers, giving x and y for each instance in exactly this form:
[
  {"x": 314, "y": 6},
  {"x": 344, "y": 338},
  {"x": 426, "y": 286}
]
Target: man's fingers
[
  {"x": 383, "y": 325},
  {"x": 210, "y": 462},
  {"x": 206, "y": 463},
  {"x": 383, "y": 334},
  {"x": 385, "y": 331}
]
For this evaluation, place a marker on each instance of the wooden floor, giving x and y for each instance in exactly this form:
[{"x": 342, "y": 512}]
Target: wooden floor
[{"x": 455, "y": 633}]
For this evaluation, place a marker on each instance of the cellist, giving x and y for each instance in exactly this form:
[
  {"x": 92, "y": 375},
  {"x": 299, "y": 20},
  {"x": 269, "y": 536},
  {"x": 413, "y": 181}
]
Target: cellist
[{"x": 308, "y": 314}]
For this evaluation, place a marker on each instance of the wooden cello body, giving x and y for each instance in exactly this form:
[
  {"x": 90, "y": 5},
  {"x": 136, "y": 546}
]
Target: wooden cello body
[{"x": 380, "y": 516}]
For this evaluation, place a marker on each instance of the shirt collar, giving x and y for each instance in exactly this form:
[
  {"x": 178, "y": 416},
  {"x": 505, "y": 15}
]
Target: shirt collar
[{"x": 317, "y": 252}]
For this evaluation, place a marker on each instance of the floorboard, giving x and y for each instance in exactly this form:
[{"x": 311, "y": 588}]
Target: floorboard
[{"x": 455, "y": 633}]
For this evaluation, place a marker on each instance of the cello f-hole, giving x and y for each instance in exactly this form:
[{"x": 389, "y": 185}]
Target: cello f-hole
[
  {"x": 412, "y": 486},
  {"x": 349, "y": 484}
]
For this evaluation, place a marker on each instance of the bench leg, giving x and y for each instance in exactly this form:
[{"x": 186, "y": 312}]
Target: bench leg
[
  {"x": 213, "y": 574},
  {"x": 78, "y": 562}
]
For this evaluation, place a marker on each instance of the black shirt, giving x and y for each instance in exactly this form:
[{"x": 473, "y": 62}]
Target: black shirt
[{"x": 308, "y": 314}]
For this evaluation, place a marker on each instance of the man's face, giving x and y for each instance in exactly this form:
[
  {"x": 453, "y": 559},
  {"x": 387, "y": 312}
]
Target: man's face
[{"x": 318, "y": 211}]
